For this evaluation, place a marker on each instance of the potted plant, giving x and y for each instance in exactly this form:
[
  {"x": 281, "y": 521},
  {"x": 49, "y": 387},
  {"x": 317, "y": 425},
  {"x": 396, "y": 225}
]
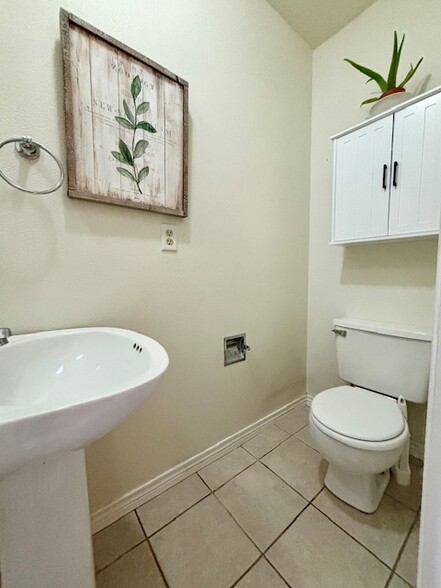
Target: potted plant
[{"x": 391, "y": 92}]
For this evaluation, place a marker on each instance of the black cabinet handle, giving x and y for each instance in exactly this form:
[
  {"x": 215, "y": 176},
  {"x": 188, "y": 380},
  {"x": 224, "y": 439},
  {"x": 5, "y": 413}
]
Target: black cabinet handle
[
  {"x": 394, "y": 181},
  {"x": 384, "y": 176}
]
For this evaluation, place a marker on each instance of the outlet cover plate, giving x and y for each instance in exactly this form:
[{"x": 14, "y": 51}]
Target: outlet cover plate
[{"x": 169, "y": 238}]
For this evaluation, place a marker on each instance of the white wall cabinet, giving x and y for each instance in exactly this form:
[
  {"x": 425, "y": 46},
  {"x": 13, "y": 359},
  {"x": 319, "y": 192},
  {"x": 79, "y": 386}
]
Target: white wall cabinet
[{"x": 387, "y": 175}]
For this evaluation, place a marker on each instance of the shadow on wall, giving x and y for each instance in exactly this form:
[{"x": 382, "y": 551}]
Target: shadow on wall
[{"x": 410, "y": 263}]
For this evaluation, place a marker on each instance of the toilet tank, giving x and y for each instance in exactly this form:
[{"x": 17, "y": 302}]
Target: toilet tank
[{"x": 389, "y": 359}]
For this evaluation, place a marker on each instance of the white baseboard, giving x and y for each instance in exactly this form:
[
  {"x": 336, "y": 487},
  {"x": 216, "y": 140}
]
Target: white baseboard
[
  {"x": 135, "y": 498},
  {"x": 115, "y": 510}
]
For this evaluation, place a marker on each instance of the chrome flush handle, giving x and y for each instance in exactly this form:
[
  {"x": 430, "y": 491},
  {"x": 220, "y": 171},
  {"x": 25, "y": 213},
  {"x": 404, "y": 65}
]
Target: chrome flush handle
[
  {"x": 340, "y": 332},
  {"x": 4, "y": 334}
]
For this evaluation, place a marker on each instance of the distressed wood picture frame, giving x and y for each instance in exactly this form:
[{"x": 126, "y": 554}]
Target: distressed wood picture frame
[{"x": 126, "y": 123}]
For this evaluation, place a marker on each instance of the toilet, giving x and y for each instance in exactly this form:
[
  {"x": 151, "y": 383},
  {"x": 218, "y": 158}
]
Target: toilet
[{"x": 361, "y": 428}]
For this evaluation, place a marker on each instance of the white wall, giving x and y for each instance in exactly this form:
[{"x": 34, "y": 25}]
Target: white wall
[
  {"x": 386, "y": 282},
  {"x": 242, "y": 260}
]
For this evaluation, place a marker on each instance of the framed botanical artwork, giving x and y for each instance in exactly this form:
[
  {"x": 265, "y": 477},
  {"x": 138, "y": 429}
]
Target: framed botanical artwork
[{"x": 126, "y": 123}]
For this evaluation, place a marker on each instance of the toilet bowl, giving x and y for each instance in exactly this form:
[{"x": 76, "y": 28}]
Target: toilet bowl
[
  {"x": 361, "y": 429},
  {"x": 362, "y": 435}
]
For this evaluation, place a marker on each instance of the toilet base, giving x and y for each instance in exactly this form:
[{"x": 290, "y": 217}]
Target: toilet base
[{"x": 362, "y": 491}]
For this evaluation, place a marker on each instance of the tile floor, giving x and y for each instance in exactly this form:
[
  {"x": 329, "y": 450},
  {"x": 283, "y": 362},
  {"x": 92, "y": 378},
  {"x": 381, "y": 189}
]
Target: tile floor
[{"x": 260, "y": 517}]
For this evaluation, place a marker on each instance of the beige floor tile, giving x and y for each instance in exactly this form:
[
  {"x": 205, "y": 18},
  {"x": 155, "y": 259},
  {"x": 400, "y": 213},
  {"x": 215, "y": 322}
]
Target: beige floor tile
[
  {"x": 397, "y": 582},
  {"x": 382, "y": 532},
  {"x": 299, "y": 465},
  {"x": 315, "y": 553},
  {"x": 294, "y": 420},
  {"x": 225, "y": 468},
  {"x": 261, "y": 503},
  {"x": 136, "y": 569},
  {"x": 204, "y": 547},
  {"x": 261, "y": 575},
  {"x": 116, "y": 539},
  {"x": 167, "y": 506},
  {"x": 409, "y": 495},
  {"x": 305, "y": 436},
  {"x": 269, "y": 437},
  {"x": 408, "y": 563}
]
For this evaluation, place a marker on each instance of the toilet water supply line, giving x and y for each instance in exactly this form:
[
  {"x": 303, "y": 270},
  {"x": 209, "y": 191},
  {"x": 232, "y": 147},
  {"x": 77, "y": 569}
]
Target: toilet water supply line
[{"x": 401, "y": 471}]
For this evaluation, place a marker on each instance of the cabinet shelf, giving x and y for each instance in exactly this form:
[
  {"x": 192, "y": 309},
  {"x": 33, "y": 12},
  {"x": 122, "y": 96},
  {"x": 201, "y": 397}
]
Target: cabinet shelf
[
  {"x": 388, "y": 239},
  {"x": 387, "y": 175}
]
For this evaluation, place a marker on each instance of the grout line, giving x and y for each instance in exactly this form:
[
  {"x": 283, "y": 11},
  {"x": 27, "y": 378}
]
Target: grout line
[
  {"x": 319, "y": 492},
  {"x": 200, "y": 500},
  {"x": 353, "y": 538},
  {"x": 286, "y": 529},
  {"x": 270, "y": 450},
  {"x": 262, "y": 553},
  {"x": 249, "y": 452},
  {"x": 107, "y": 526},
  {"x": 236, "y": 582},
  {"x": 190, "y": 472},
  {"x": 403, "y": 504},
  {"x": 391, "y": 577},
  {"x": 117, "y": 558},
  {"x": 161, "y": 571},
  {"x": 308, "y": 502},
  {"x": 198, "y": 462},
  {"x": 400, "y": 553},
  {"x": 203, "y": 482},
  {"x": 230, "y": 479},
  {"x": 279, "y": 573},
  {"x": 286, "y": 413},
  {"x": 304, "y": 442},
  {"x": 290, "y": 485},
  {"x": 211, "y": 492},
  {"x": 150, "y": 499},
  {"x": 246, "y": 532},
  {"x": 172, "y": 520},
  {"x": 152, "y": 551},
  {"x": 289, "y": 432},
  {"x": 417, "y": 509},
  {"x": 239, "y": 525},
  {"x": 207, "y": 465}
]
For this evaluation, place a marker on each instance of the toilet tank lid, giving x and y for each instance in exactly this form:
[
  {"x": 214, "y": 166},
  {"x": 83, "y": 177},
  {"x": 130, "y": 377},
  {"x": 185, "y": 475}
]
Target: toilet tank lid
[{"x": 390, "y": 329}]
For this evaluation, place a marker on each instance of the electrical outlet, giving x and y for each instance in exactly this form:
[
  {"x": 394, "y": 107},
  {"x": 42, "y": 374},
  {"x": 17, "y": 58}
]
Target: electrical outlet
[{"x": 169, "y": 238}]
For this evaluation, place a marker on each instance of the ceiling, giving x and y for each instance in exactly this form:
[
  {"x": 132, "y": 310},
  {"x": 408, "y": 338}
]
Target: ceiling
[{"x": 317, "y": 20}]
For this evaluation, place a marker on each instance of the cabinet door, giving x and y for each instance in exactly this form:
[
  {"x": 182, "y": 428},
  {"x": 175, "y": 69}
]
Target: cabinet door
[
  {"x": 416, "y": 175},
  {"x": 361, "y": 182}
]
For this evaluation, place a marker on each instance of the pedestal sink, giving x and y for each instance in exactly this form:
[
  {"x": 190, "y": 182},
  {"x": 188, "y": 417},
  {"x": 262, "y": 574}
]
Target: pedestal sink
[{"x": 59, "y": 391}]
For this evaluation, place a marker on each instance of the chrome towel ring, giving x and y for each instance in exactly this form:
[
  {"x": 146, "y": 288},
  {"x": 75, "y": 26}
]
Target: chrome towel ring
[{"x": 30, "y": 149}]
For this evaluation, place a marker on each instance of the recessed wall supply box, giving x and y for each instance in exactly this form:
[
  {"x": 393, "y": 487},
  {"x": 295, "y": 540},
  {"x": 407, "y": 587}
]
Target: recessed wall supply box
[{"x": 235, "y": 349}]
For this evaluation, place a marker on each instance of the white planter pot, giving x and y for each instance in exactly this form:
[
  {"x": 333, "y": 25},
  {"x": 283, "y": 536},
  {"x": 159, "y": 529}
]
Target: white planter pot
[{"x": 389, "y": 102}]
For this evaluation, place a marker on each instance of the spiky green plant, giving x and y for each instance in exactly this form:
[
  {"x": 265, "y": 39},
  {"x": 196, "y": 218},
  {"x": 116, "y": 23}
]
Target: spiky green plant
[{"x": 387, "y": 86}]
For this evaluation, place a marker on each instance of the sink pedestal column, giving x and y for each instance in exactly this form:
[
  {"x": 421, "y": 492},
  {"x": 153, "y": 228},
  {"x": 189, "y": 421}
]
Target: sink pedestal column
[{"x": 45, "y": 536}]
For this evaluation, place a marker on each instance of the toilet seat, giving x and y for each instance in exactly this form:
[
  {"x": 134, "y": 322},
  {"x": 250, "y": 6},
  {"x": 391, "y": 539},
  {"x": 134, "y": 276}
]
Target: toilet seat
[{"x": 359, "y": 418}]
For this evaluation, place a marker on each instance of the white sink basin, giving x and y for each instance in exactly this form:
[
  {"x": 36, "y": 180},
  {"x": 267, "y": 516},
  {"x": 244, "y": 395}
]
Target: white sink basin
[{"x": 59, "y": 391}]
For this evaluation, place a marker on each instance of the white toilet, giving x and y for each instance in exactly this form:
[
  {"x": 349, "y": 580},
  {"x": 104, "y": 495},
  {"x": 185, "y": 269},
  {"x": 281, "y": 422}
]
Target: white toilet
[{"x": 361, "y": 430}]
